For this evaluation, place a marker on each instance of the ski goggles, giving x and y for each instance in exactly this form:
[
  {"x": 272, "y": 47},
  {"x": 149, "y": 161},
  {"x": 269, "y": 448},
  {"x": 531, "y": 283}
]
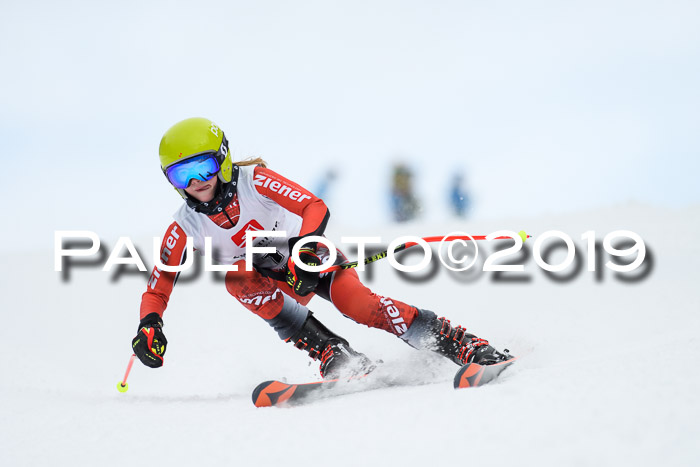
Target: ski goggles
[{"x": 202, "y": 167}]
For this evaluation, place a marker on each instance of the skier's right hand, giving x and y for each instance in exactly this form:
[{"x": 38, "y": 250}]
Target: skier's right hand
[
  {"x": 301, "y": 281},
  {"x": 150, "y": 342}
]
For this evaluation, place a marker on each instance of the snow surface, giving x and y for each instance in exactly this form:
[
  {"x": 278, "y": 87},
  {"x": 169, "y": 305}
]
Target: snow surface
[{"x": 608, "y": 374}]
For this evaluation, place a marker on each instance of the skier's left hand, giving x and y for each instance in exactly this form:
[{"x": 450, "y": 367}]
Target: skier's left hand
[{"x": 301, "y": 281}]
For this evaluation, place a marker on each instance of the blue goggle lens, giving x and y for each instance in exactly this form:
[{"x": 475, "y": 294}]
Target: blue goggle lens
[{"x": 202, "y": 168}]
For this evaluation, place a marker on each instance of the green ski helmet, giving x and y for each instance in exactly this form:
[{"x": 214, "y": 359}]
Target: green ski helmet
[{"x": 193, "y": 137}]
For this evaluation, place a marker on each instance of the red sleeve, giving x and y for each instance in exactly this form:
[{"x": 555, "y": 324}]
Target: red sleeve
[
  {"x": 161, "y": 283},
  {"x": 293, "y": 198}
]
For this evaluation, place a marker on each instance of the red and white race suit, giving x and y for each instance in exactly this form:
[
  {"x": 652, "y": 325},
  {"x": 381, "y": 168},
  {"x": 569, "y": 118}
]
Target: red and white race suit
[{"x": 267, "y": 201}]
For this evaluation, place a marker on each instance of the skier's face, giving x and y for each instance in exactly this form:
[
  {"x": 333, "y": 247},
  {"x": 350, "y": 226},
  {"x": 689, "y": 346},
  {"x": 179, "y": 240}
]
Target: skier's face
[{"x": 202, "y": 191}]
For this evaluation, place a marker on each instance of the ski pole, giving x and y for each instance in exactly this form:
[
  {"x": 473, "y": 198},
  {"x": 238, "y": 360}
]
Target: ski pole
[
  {"x": 122, "y": 386},
  {"x": 404, "y": 246}
]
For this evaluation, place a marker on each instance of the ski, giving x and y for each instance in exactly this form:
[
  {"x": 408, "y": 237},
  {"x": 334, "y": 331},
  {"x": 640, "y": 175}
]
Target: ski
[
  {"x": 275, "y": 393},
  {"x": 473, "y": 375},
  {"x": 278, "y": 393}
]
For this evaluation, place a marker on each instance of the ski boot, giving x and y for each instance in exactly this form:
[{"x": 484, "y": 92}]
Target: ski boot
[
  {"x": 437, "y": 334},
  {"x": 338, "y": 359}
]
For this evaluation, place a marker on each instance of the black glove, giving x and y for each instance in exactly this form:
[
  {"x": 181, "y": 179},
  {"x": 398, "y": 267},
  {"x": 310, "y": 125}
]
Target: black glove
[
  {"x": 303, "y": 282},
  {"x": 150, "y": 342}
]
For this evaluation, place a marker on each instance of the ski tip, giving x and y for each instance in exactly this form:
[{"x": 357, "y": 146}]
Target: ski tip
[
  {"x": 258, "y": 391},
  {"x": 272, "y": 393},
  {"x": 468, "y": 376},
  {"x": 472, "y": 374}
]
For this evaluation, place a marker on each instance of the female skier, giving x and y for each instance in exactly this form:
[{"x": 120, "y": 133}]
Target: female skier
[{"x": 223, "y": 200}]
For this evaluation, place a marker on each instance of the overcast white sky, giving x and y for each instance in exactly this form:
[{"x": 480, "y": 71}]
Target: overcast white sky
[{"x": 547, "y": 106}]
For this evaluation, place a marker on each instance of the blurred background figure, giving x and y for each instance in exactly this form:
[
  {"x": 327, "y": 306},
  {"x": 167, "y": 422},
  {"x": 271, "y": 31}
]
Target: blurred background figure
[
  {"x": 404, "y": 205},
  {"x": 459, "y": 196},
  {"x": 323, "y": 186}
]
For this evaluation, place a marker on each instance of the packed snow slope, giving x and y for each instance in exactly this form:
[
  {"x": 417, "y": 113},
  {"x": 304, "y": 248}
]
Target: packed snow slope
[{"x": 608, "y": 374}]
